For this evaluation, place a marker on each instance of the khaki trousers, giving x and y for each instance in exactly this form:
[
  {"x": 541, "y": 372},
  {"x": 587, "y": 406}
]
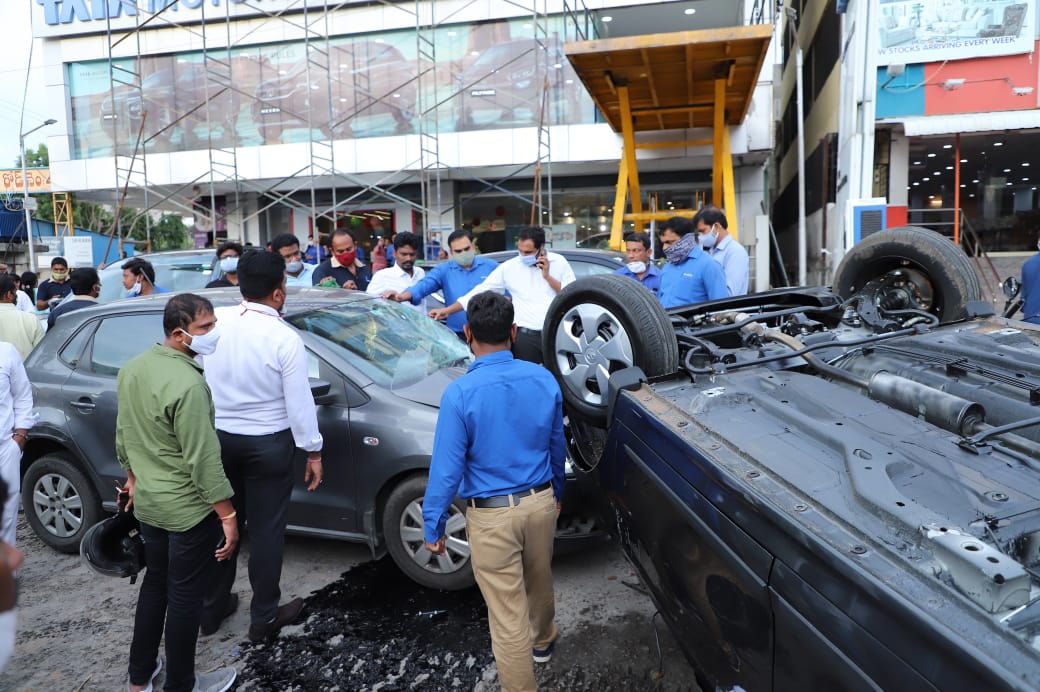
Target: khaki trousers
[{"x": 511, "y": 551}]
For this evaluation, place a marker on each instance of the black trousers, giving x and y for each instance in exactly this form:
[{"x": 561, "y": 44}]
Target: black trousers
[
  {"x": 260, "y": 468},
  {"x": 179, "y": 566},
  {"x": 528, "y": 345}
]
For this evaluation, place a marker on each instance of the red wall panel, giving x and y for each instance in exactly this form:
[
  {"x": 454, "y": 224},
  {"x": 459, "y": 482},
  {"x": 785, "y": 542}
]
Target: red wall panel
[{"x": 987, "y": 84}]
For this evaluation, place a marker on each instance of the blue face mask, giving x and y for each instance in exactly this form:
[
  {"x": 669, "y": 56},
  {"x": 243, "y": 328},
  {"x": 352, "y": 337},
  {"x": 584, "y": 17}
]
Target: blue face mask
[
  {"x": 528, "y": 260},
  {"x": 229, "y": 265}
]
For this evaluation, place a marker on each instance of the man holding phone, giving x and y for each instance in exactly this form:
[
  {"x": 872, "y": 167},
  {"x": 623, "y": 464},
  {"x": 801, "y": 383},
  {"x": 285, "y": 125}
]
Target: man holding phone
[{"x": 533, "y": 278}]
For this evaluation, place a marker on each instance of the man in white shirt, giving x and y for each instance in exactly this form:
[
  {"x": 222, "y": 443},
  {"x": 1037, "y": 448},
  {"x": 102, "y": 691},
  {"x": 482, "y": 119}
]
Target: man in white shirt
[
  {"x": 297, "y": 272},
  {"x": 264, "y": 413},
  {"x": 713, "y": 232},
  {"x": 16, "y": 417},
  {"x": 403, "y": 274},
  {"x": 533, "y": 278},
  {"x": 17, "y": 327}
]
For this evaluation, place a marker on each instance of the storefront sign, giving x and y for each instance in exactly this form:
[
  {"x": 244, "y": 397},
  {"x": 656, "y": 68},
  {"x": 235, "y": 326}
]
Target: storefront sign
[
  {"x": 11, "y": 181},
  {"x": 917, "y": 31}
]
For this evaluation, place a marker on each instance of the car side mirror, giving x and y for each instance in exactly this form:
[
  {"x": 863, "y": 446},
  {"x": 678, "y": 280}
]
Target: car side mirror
[
  {"x": 322, "y": 392},
  {"x": 1011, "y": 286}
]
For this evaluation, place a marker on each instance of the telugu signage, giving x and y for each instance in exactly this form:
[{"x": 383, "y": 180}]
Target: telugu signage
[
  {"x": 918, "y": 31},
  {"x": 11, "y": 181}
]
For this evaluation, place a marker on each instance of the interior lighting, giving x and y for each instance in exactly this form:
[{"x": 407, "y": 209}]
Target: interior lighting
[
  {"x": 931, "y": 154},
  {"x": 1025, "y": 163},
  {"x": 607, "y": 19},
  {"x": 998, "y": 144},
  {"x": 947, "y": 146},
  {"x": 690, "y": 10}
]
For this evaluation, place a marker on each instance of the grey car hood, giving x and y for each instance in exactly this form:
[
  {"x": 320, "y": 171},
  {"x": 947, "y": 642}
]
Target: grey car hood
[{"x": 428, "y": 390}]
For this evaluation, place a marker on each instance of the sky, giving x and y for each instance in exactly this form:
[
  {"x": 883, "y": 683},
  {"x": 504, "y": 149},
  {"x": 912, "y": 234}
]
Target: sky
[{"x": 16, "y": 36}]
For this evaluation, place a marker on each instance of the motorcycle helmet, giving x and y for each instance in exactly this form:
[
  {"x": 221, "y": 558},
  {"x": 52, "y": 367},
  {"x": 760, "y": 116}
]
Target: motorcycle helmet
[{"x": 114, "y": 547}]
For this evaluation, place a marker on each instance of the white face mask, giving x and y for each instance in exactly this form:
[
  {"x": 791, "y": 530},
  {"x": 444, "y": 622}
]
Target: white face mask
[
  {"x": 294, "y": 267},
  {"x": 636, "y": 267},
  {"x": 708, "y": 239},
  {"x": 203, "y": 344},
  {"x": 134, "y": 291}
]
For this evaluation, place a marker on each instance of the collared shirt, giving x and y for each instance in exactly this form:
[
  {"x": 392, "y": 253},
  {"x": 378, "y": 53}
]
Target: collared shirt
[
  {"x": 258, "y": 375},
  {"x": 499, "y": 431},
  {"x": 395, "y": 279},
  {"x": 1031, "y": 289},
  {"x": 15, "y": 393},
  {"x": 695, "y": 279},
  {"x": 78, "y": 303},
  {"x": 456, "y": 281},
  {"x": 19, "y": 329},
  {"x": 165, "y": 435},
  {"x": 304, "y": 279},
  {"x": 531, "y": 293},
  {"x": 51, "y": 289},
  {"x": 314, "y": 254},
  {"x": 735, "y": 264},
  {"x": 330, "y": 267},
  {"x": 651, "y": 277},
  {"x": 24, "y": 303}
]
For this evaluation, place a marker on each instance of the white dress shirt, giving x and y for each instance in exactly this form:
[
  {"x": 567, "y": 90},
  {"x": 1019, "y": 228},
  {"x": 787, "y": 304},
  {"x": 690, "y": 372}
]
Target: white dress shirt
[
  {"x": 735, "y": 263},
  {"x": 15, "y": 394},
  {"x": 395, "y": 279},
  {"x": 531, "y": 293},
  {"x": 258, "y": 376}
]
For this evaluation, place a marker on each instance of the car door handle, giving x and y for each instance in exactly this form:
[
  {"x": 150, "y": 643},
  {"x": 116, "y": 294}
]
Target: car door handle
[{"x": 82, "y": 404}]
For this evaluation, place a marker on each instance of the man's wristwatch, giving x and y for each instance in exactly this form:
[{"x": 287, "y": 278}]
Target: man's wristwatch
[{"x": 25, "y": 438}]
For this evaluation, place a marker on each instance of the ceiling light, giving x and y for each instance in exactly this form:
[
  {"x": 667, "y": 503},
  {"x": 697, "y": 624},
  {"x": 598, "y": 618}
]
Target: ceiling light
[
  {"x": 1025, "y": 180},
  {"x": 938, "y": 173},
  {"x": 931, "y": 155},
  {"x": 1008, "y": 184},
  {"x": 998, "y": 144},
  {"x": 1025, "y": 163},
  {"x": 971, "y": 195},
  {"x": 931, "y": 196},
  {"x": 976, "y": 180},
  {"x": 916, "y": 184},
  {"x": 964, "y": 160},
  {"x": 607, "y": 19},
  {"x": 917, "y": 163},
  {"x": 925, "y": 179},
  {"x": 689, "y": 10},
  {"x": 1007, "y": 170},
  {"x": 947, "y": 146},
  {"x": 949, "y": 168}
]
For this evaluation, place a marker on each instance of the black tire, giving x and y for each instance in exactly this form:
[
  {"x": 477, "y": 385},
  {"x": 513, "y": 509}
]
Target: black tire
[
  {"x": 628, "y": 321},
  {"x": 945, "y": 270},
  {"x": 403, "y": 531},
  {"x": 60, "y": 502}
]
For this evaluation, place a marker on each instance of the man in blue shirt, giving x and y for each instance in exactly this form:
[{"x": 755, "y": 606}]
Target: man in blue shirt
[
  {"x": 1031, "y": 289},
  {"x": 713, "y": 230},
  {"x": 499, "y": 445},
  {"x": 640, "y": 265},
  {"x": 456, "y": 277},
  {"x": 690, "y": 275}
]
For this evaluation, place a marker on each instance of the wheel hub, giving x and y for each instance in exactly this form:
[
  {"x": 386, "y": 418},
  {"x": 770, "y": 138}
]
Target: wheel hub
[{"x": 590, "y": 344}]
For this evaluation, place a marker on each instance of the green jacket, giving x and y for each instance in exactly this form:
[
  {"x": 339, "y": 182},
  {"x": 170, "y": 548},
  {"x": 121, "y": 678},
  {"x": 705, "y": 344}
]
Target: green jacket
[{"x": 166, "y": 436}]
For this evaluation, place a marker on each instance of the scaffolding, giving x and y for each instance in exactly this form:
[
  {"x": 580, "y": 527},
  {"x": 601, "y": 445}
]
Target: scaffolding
[{"x": 215, "y": 189}]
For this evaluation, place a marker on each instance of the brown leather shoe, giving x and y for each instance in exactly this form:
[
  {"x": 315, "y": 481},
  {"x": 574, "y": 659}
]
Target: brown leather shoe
[{"x": 287, "y": 613}]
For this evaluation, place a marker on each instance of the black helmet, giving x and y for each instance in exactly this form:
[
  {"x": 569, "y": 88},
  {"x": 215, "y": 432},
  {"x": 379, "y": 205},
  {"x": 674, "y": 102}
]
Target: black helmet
[{"x": 114, "y": 546}]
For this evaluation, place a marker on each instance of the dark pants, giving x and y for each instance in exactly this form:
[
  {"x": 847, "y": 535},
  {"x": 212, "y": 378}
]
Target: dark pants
[
  {"x": 260, "y": 468},
  {"x": 179, "y": 568},
  {"x": 528, "y": 345}
]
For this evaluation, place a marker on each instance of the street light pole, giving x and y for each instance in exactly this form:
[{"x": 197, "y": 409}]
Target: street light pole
[
  {"x": 792, "y": 16},
  {"x": 25, "y": 199}
]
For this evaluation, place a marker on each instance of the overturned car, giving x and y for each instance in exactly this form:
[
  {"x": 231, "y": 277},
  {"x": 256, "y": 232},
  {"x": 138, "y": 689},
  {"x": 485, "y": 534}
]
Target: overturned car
[{"x": 821, "y": 489}]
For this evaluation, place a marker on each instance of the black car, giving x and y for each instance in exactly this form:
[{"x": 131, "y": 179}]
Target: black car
[
  {"x": 377, "y": 372},
  {"x": 822, "y": 489}
]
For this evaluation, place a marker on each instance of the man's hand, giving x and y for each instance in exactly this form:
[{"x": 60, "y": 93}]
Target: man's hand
[
  {"x": 543, "y": 263},
  {"x": 436, "y": 548},
  {"x": 440, "y": 314},
  {"x": 349, "y": 283},
  {"x": 225, "y": 551},
  {"x": 390, "y": 295},
  {"x": 128, "y": 490},
  {"x": 314, "y": 473},
  {"x": 558, "y": 508}
]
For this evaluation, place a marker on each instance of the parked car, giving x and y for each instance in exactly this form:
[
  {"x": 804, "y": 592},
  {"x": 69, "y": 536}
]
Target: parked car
[
  {"x": 176, "y": 270},
  {"x": 366, "y": 81},
  {"x": 377, "y": 373},
  {"x": 821, "y": 488}
]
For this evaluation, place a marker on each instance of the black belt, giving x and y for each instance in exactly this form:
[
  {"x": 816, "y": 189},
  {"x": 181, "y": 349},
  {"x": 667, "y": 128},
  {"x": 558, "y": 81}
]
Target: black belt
[
  {"x": 525, "y": 330},
  {"x": 504, "y": 500}
]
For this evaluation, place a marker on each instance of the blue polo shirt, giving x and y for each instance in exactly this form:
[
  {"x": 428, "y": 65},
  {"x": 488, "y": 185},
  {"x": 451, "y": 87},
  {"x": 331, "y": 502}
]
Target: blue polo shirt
[
  {"x": 651, "y": 279},
  {"x": 499, "y": 431},
  {"x": 1031, "y": 289},
  {"x": 695, "y": 279},
  {"x": 456, "y": 282}
]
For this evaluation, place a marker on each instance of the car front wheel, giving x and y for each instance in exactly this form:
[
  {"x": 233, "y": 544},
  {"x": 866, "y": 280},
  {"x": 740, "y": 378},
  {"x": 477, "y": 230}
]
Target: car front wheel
[
  {"x": 60, "y": 502},
  {"x": 403, "y": 530}
]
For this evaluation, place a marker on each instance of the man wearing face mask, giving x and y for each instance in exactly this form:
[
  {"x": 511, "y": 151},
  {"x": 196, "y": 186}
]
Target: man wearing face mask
[
  {"x": 344, "y": 269},
  {"x": 227, "y": 260},
  {"x": 715, "y": 239},
  {"x": 1031, "y": 288},
  {"x": 264, "y": 413},
  {"x": 297, "y": 272},
  {"x": 463, "y": 272},
  {"x": 86, "y": 287},
  {"x": 639, "y": 265},
  {"x": 404, "y": 273},
  {"x": 139, "y": 278},
  {"x": 56, "y": 287},
  {"x": 689, "y": 275}
]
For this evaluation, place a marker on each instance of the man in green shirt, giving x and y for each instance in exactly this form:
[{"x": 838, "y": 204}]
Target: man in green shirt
[{"x": 167, "y": 442}]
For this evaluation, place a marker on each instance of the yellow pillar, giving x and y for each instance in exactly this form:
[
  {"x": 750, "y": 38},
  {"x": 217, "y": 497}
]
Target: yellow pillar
[
  {"x": 617, "y": 226},
  {"x": 629, "y": 153}
]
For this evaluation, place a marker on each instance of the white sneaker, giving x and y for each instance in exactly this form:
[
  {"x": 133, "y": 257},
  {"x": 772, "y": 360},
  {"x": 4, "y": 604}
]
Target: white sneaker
[
  {"x": 217, "y": 681},
  {"x": 155, "y": 674}
]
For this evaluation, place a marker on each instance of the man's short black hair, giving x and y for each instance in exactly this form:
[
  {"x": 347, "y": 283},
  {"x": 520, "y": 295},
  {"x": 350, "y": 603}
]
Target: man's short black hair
[
  {"x": 638, "y": 238},
  {"x": 59, "y": 260},
  {"x": 407, "y": 239},
  {"x": 83, "y": 280},
  {"x": 138, "y": 266},
  {"x": 490, "y": 317},
  {"x": 284, "y": 240},
  {"x": 260, "y": 273},
  {"x": 6, "y": 284},
  {"x": 183, "y": 309},
  {"x": 710, "y": 215},
  {"x": 533, "y": 233},
  {"x": 342, "y": 231},
  {"x": 230, "y": 245},
  {"x": 461, "y": 233},
  {"x": 678, "y": 225}
]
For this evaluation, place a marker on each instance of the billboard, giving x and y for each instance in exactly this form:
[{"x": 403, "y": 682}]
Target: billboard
[
  {"x": 11, "y": 182},
  {"x": 916, "y": 31}
]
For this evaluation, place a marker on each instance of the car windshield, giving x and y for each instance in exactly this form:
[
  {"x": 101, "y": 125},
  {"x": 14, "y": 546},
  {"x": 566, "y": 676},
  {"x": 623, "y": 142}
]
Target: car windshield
[{"x": 393, "y": 345}]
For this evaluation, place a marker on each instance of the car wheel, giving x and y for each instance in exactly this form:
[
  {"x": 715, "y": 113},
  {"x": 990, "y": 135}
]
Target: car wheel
[
  {"x": 597, "y": 326},
  {"x": 916, "y": 268},
  {"x": 60, "y": 502},
  {"x": 403, "y": 530}
]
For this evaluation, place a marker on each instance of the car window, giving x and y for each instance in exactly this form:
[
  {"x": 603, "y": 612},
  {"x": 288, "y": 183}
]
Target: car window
[
  {"x": 120, "y": 338},
  {"x": 179, "y": 273},
  {"x": 392, "y": 345},
  {"x": 582, "y": 268},
  {"x": 72, "y": 351}
]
